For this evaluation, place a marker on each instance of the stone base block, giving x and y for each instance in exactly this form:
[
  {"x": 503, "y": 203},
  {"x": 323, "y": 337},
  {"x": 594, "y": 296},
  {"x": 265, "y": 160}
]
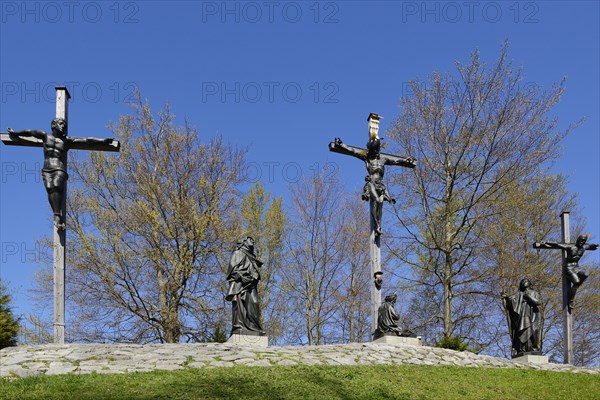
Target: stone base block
[
  {"x": 411, "y": 341},
  {"x": 248, "y": 340},
  {"x": 532, "y": 359}
]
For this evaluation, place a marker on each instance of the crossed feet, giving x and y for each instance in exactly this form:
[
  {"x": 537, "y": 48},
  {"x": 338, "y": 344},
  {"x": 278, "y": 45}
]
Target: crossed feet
[{"x": 61, "y": 226}]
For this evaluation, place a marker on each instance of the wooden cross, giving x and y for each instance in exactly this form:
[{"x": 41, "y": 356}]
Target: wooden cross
[
  {"x": 376, "y": 192},
  {"x": 572, "y": 278},
  {"x": 56, "y": 146}
]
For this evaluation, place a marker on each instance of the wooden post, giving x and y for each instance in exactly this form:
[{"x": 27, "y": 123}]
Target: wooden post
[
  {"x": 60, "y": 235},
  {"x": 375, "y": 253},
  {"x": 566, "y": 289}
]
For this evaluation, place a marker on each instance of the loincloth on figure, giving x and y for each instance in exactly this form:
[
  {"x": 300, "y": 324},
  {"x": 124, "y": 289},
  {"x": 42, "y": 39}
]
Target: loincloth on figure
[
  {"x": 573, "y": 268},
  {"x": 379, "y": 187},
  {"x": 49, "y": 174}
]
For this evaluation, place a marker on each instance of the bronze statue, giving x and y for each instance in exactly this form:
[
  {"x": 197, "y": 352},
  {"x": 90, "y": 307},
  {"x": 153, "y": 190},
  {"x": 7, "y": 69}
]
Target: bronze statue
[
  {"x": 523, "y": 319},
  {"x": 243, "y": 276},
  {"x": 574, "y": 252},
  {"x": 387, "y": 320},
  {"x": 54, "y": 172},
  {"x": 375, "y": 162}
]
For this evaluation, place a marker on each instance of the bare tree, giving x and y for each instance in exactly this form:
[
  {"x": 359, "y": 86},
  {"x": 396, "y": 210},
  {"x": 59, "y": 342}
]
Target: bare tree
[
  {"x": 474, "y": 134},
  {"x": 312, "y": 278},
  {"x": 353, "y": 317}
]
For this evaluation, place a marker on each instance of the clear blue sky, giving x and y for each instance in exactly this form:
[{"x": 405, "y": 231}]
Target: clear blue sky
[{"x": 281, "y": 77}]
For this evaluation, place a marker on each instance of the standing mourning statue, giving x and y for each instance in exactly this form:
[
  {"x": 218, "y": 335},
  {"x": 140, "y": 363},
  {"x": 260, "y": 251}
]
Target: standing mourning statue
[
  {"x": 523, "y": 319},
  {"x": 243, "y": 276},
  {"x": 387, "y": 320},
  {"x": 54, "y": 172},
  {"x": 574, "y": 251}
]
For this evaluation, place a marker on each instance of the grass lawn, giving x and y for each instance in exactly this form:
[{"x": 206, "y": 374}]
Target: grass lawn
[{"x": 311, "y": 382}]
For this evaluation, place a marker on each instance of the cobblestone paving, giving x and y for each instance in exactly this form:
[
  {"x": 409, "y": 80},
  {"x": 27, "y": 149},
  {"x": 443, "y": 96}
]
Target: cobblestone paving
[{"x": 24, "y": 361}]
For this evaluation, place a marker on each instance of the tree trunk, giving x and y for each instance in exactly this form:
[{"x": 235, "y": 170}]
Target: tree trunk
[
  {"x": 308, "y": 308},
  {"x": 447, "y": 283},
  {"x": 168, "y": 312},
  {"x": 171, "y": 326},
  {"x": 351, "y": 316},
  {"x": 447, "y": 277}
]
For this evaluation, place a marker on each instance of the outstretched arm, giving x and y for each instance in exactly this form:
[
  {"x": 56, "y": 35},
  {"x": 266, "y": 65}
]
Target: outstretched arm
[
  {"x": 550, "y": 245},
  {"x": 590, "y": 246},
  {"x": 94, "y": 144},
  {"x": 339, "y": 147},
  {"x": 28, "y": 133},
  {"x": 409, "y": 162},
  {"x": 91, "y": 140}
]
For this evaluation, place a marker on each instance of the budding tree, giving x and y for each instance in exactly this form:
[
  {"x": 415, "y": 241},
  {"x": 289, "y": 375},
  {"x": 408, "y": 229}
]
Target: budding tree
[
  {"x": 150, "y": 228},
  {"x": 475, "y": 133}
]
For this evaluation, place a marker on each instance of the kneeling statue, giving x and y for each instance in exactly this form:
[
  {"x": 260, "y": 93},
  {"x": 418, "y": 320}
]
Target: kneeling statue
[{"x": 387, "y": 318}]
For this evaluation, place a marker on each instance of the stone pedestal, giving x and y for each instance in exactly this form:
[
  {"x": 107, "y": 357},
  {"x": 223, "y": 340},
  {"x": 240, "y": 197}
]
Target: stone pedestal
[
  {"x": 249, "y": 340},
  {"x": 411, "y": 341},
  {"x": 531, "y": 359}
]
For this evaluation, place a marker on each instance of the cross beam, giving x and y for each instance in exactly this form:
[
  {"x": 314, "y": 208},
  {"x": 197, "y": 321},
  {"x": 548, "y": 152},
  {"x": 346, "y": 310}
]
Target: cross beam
[
  {"x": 56, "y": 146},
  {"x": 351, "y": 150},
  {"x": 12, "y": 140}
]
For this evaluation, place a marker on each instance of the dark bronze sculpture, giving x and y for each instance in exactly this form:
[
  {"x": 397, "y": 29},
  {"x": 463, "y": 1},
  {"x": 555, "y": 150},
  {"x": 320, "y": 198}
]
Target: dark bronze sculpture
[
  {"x": 375, "y": 162},
  {"x": 523, "y": 319},
  {"x": 243, "y": 276},
  {"x": 574, "y": 252},
  {"x": 378, "y": 279},
  {"x": 375, "y": 191},
  {"x": 54, "y": 172},
  {"x": 387, "y": 320}
]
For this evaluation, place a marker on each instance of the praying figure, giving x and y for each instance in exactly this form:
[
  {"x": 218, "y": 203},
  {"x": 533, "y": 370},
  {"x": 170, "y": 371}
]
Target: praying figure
[{"x": 387, "y": 320}]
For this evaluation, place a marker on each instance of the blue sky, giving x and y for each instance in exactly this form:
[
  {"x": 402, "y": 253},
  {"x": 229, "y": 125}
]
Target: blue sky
[{"x": 282, "y": 78}]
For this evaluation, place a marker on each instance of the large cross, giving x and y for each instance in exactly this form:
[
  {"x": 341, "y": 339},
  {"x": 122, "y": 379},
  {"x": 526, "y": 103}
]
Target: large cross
[
  {"x": 572, "y": 278},
  {"x": 54, "y": 173},
  {"x": 376, "y": 192}
]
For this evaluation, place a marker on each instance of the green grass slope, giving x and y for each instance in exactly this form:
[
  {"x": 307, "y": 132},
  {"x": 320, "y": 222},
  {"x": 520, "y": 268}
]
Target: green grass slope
[{"x": 311, "y": 382}]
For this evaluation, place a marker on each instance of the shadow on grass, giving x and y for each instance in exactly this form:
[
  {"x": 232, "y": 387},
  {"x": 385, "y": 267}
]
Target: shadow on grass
[{"x": 310, "y": 382}]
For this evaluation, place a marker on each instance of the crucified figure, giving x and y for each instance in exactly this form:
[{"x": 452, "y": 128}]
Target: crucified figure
[
  {"x": 375, "y": 163},
  {"x": 54, "y": 172},
  {"x": 574, "y": 252}
]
